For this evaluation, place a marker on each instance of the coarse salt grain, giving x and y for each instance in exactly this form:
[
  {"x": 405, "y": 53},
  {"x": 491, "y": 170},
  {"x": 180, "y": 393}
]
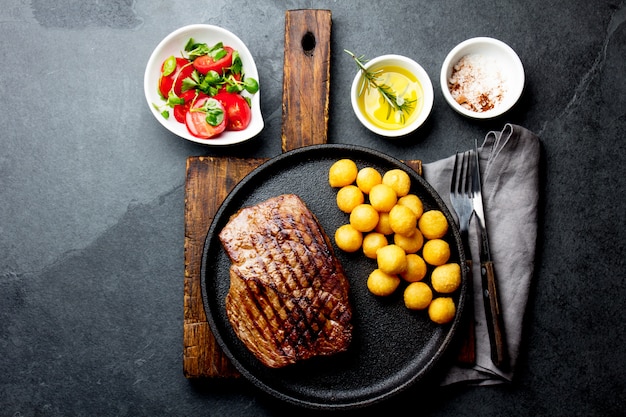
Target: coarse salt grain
[{"x": 477, "y": 83}]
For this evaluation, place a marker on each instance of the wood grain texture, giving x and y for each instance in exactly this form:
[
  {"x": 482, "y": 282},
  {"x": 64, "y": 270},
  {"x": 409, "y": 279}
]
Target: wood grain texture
[
  {"x": 306, "y": 78},
  {"x": 416, "y": 165},
  {"x": 208, "y": 182}
]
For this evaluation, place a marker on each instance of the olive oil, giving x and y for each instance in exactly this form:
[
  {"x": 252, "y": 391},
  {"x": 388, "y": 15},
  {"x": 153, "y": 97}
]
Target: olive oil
[{"x": 405, "y": 87}]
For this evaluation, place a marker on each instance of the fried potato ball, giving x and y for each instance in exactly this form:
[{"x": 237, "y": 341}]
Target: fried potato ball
[
  {"x": 372, "y": 242},
  {"x": 364, "y": 218},
  {"x": 417, "y": 296},
  {"x": 382, "y": 284},
  {"x": 348, "y": 238},
  {"x": 436, "y": 252},
  {"x": 410, "y": 244},
  {"x": 382, "y": 198},
  {"x": 367, "y": 178},
  {"x": 383, "y": 224},
  {"x": 348, "y": 197},
  {"x": 415, "y": 268},
  {"x": 399, "y": 180},
  {"x": 391, "y": 259},
  {"x": 343, "y": 172},
  {"x": 433, "y": 224},
  {"x": 442, "y": 310},
  {"x": 446, "y": 278},
  {"x": 402, "y": 220},
  {"x": 414, "y": 203}
]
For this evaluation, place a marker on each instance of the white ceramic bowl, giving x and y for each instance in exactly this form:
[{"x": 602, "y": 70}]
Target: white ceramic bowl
[
  {"x": 173, "y": 44},
  {"x": 496, "y": 54},
  {"x": 412, "y": 67}
]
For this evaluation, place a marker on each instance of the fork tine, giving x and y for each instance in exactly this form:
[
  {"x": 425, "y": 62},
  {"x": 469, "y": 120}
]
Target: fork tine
[
  {"x": 460, "y": 175},
  {"x": 475, "y": 176},
  {"x": 467, "y": 158},
  {"x": 463, "y": 179},
  {"x": 460, "y": 189},
  {"x": 454, "y": 183}
]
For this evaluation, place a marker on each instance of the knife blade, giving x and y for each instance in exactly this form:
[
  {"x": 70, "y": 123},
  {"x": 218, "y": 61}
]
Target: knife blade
[{"x": 493, "y": 311}]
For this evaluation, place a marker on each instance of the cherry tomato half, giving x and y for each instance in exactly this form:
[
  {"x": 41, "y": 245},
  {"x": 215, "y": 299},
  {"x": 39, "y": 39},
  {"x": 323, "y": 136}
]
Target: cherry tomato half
[
  {"x": 205, "y": 63},
  {"x": 237, "y": 110},
  {"x": 196, "y": 122},
  {"x": 180, "y": 110},
  {"x": 167, "y": 81},
  {"x": 183, "y": 73}
]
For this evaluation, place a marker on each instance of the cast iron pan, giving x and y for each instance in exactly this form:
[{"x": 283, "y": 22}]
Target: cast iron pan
[{"x": 392, "y": 347}]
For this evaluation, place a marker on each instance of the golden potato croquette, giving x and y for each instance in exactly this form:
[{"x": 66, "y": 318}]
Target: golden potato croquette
[
  {"x": 402, "y": 220},
  {"x": 436, "y": 252},
  {"x": 442, "y": 310},
  {"x": 364, "y": 218},
  {"x": 367, "y": 178},
  {"x": 343, "y": 172},
  {"x": 372, "y": 242},
  {"x": 348, "y": 238},
  {"x": 383, "y": 224},
  {"x": 416, "y": 268},
  {"x": 348, "y": 197},
  {"x": 410, "y": 244},
  {"x": 417, "y": 296},
  {"x": 433, "y": 224},
  {"x": 382, "y": 284},
  {"x": 399, "y": 180},
  {"x": 391, "y": 259},
  {"x": 382, "y": 197},
  {"x": 413, "y": 202},
  {"x": 446, "y": 278}
]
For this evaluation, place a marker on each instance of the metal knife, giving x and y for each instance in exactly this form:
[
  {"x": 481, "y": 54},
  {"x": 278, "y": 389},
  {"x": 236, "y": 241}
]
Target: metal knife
[{"x": 493, "y": 311}]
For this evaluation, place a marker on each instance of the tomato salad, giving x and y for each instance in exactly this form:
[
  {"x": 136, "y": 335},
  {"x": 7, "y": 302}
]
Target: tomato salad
[{"x": 204, "y": 89}]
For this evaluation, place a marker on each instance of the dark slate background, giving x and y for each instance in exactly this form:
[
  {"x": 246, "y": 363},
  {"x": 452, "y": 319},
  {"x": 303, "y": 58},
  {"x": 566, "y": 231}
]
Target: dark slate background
[{"x": 92, "y": 197}]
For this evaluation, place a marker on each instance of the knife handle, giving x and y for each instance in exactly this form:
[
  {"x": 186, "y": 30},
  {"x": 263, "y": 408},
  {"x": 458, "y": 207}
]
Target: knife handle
[
  {"x": 495, "y": 322},
  {"x": 467, "y": 352}
]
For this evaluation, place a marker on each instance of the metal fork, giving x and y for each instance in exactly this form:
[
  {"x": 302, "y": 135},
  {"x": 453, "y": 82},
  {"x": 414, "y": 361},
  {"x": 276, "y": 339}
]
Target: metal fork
[{"x": 460, "y": 197}]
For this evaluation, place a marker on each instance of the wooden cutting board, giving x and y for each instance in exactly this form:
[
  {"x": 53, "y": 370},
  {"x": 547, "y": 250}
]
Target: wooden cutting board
[{"x": 306, "y": 86}]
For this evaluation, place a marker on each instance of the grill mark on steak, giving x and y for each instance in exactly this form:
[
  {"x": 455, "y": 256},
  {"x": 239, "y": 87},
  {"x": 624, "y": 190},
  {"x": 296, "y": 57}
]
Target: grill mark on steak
[
  {"x": 304, "y": 254},
  {"x": 299, "y": 328},
  {"x": 278, "y": 263},
  {"x": 288, "y": 299},
  {"x": 290, "y": 270}
]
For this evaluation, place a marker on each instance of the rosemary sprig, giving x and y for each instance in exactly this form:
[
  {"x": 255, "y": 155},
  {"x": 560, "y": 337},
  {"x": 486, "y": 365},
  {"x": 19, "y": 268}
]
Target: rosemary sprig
[{"x": 372, "y": 79}]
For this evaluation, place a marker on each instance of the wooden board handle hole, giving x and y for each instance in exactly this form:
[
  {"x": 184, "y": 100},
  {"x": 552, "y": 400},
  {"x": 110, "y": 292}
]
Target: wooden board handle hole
[{"x": 308, "y": 43}]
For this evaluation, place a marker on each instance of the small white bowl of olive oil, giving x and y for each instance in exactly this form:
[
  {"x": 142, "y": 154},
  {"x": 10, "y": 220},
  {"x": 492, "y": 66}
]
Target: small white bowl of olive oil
[{"x": 391, "y": 95}]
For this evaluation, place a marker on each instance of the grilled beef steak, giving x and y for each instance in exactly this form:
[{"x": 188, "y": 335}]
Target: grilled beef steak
[{"x": 288, "y": 297}]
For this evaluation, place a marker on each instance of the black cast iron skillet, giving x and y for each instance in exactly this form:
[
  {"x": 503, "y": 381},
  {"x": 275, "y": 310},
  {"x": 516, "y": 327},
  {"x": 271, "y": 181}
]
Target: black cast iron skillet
[{"x": 392, "y": 347}]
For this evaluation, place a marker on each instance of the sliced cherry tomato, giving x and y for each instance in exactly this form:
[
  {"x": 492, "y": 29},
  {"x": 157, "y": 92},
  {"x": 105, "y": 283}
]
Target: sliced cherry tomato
[
  {"x": 180, "y": 110},
  {"x": 196, "y": 119},
  {"x": 167, "y": 81},
  {"x": 205, "y": 63},
  {"x": 184, "y": 72},
  {"x": 237, "y": 110}
]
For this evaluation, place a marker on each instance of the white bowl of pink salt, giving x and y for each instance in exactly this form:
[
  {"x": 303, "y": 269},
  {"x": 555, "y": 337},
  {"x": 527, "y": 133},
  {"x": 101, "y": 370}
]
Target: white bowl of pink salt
[{"x": 482, "y": 78}]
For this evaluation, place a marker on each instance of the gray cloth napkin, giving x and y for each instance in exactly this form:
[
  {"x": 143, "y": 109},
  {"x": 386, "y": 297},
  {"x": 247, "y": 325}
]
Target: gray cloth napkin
[{"x": 509, "y": 162}]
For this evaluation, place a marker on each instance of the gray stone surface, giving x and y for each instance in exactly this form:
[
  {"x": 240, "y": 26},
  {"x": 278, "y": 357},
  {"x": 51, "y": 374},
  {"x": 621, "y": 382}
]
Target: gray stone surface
[{"x": 92, "y": 188}]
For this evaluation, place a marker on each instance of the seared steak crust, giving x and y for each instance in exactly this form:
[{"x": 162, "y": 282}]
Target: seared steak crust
[{"x": 288, "y": 297}]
